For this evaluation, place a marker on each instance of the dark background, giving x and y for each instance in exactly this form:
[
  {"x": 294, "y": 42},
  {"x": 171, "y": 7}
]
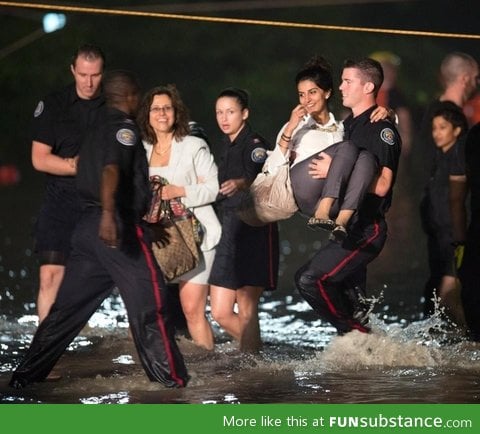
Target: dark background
[{"x": 202, "y": 58}]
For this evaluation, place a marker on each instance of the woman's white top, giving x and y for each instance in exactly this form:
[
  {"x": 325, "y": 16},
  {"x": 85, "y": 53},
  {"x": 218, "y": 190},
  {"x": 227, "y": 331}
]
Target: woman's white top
[{"x": 307, "y": 139}]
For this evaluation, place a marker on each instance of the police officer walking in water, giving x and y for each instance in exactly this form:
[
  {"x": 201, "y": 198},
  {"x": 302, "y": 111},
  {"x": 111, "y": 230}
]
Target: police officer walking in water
[
  {"x": 110, "y": 249},
  {"x": 59, "y": 125},
  {"x": 334, "y": 280}
]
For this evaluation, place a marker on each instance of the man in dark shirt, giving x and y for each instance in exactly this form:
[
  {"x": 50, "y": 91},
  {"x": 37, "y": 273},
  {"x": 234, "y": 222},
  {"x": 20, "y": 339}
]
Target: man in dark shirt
[
  {"x": 59, "y": 125},
  {"x": 333, "y": 282},
  {"x": 458, "y": 73},
  {"x": 111, "y": 249}
]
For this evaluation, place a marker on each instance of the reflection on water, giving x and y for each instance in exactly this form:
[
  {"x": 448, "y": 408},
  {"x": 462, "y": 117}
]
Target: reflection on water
[
  {"x": 406, "y": 359},
  {"x": 303, "y": 361}
]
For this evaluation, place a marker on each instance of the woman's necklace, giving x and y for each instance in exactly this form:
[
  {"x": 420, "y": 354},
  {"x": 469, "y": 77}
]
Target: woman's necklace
[
  {"x": 318, "y": 125},
  {"x": 162, "y": 152}
]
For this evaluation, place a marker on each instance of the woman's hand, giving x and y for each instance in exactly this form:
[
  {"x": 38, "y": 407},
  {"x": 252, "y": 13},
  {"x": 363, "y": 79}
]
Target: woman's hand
[
  {"x": 381, "y": 113},
  {"x": 171, "y": 191},
  {"x": 295, "y": 117},
  {"x": 232, "y": 186}
]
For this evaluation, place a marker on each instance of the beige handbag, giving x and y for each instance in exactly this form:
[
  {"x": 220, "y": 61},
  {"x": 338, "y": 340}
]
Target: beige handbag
[
  {"x": 176, "y": 233},
  {"x": 269, "y": 199},
  {"x": 175, "y": 246}
]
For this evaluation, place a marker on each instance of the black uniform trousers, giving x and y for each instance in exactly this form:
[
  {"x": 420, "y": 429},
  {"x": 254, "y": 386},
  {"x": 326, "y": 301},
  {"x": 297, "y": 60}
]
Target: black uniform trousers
[
  {"x": 469, "y": 275},
  {"x": 91, "y": 273},
  {"x": 334, "y": 280}
]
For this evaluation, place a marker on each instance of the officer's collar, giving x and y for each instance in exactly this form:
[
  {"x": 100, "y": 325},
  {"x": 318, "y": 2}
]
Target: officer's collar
[
  {"x": 244, "y": 132},
  {"x": 361, "y": 118},
  {"x": 73, "y": 97}
]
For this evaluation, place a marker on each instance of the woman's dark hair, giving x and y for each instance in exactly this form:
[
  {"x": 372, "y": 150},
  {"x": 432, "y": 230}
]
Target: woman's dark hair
[
  {"x": 182, "y": 117},
  {"x": 240, "y": 95},
  {"x": 318, "y": 70}
]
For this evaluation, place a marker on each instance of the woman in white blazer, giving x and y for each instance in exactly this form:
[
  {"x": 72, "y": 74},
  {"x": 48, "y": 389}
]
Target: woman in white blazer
[{"x": 186, "y": 162}]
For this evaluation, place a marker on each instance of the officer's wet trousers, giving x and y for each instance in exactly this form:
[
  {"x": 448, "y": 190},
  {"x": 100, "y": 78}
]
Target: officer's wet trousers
[
  {"x": 91, "y": 273},
  {"x": 334, "y": 280}
]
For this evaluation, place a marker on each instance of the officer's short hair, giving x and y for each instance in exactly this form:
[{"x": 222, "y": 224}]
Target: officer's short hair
[
  {"x": 118, "y": 85},
  {"x": 454, "y": 64},
  {"x": 370, "y": 70},
  {"x": 89, "y": 52}
]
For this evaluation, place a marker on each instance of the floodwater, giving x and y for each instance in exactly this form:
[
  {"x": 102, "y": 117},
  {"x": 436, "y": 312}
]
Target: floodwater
[
  {"x": 406, "y": 359},
  {"x": 302, "y": 362}
]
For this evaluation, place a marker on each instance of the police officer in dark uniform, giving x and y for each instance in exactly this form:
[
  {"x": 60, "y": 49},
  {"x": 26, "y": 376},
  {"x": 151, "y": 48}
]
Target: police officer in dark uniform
[
  {"x": 246, "y": 259},
  {"x": 333, "y": 282},
  {"x": 59, "y": 125},
  {"x": 111, "y": 249}
]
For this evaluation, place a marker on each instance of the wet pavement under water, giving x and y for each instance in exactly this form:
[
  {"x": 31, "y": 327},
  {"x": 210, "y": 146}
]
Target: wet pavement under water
[
  {"x": 303, "y": 361},
  {"x": 406, "y": 359}
]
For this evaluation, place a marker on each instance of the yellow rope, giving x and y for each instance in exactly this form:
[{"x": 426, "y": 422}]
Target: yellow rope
[{"x": 234, "y": 20}]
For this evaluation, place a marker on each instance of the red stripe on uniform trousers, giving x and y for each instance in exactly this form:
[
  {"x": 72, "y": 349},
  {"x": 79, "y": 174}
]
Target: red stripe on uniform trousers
[
  {"x": 340, "y": 265},
  {"x": 158, "y": 301},
  {"x": 331, "y": 308}
]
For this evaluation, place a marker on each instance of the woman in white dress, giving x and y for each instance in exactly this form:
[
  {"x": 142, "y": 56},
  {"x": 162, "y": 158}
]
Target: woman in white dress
[{"x": 186, "y": 163}]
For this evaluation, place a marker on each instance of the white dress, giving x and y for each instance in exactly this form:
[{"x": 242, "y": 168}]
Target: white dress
[{"x": 191, "y": 165}]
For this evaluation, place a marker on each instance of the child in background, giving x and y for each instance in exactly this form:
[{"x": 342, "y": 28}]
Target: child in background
[{"x": 449, "y": 126}]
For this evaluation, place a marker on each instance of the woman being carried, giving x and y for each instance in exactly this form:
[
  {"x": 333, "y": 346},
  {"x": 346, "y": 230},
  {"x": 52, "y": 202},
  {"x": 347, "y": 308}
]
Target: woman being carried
[{"x": 312, "y": 133}]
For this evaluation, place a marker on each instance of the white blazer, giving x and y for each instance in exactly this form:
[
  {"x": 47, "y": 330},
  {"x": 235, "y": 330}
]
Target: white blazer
[{"x": 192, "y": 166}]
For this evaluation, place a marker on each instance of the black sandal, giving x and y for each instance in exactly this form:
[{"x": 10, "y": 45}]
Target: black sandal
[
  {"x": 324, "y": 224},
  {"x": 339, "y": 233}
]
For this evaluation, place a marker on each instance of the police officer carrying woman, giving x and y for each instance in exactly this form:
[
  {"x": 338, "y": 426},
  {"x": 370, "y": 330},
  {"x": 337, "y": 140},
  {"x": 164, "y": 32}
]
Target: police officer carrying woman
[{"x": 246, "y": 261}]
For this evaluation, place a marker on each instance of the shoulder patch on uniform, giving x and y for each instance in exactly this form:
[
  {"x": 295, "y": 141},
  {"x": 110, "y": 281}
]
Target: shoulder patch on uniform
[
  {"x": 39, "y": 109},
  {"x": 388, "y": 136},
  {"x": 259, "y": 155},
  {"x": 126, "y": 137}
]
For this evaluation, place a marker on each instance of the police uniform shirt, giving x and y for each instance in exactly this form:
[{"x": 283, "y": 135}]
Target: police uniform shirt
[
  {"x": 383, "y": 141},
  {"x": 60, "y": 121},
  {"x": 242, "y": 158},
  {"x": 114, "y": 140}
]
